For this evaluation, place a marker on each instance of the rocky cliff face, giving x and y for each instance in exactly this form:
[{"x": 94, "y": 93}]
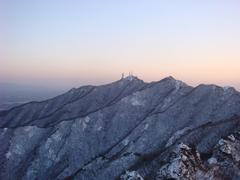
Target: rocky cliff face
[{"x": 128, "y": 129}]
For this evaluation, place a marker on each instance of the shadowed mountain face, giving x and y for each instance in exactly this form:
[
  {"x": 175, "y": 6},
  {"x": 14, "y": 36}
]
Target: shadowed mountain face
[{"x": 99, "y": 132}]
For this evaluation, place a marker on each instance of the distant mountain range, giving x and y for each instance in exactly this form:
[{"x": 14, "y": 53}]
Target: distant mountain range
[
  {"x": 126, "y": 130},
  {"x": 15, "y": 94}
]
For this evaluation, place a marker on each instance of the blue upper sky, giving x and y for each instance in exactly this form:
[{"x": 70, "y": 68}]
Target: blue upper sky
[{"x": 74, "y": 42}]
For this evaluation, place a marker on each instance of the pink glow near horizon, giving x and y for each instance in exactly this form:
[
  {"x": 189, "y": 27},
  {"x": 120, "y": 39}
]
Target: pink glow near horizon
[{"x": 65, "y": 44}]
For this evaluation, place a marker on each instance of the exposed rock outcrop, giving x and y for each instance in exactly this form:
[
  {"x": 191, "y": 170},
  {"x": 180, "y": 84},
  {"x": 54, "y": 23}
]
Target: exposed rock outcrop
[
  {"x": 225, "y": 161},
  {"x": 133, "y": 175},
  {"x": 186, "y": 163}
]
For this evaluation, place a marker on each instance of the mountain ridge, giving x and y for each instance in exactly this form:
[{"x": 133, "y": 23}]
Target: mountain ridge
[
  {"x": 99, "y": 132},
  {"x": 152, "y": 82}
]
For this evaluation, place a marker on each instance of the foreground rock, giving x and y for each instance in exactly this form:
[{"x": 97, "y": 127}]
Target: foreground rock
[
  {"x": 133, "y": 175},
  {"x": 184, "y": 163}
]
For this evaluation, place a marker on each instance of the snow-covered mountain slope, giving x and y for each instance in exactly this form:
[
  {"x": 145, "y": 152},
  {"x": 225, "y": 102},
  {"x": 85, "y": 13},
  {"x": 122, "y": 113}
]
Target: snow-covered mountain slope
[{"x": 100, "y": 132}]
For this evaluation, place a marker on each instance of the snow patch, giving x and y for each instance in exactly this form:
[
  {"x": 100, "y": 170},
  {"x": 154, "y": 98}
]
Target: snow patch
[
  {"x": 131, "y": 175},
  {"x": 4, "y": 131},
  {"x": 30, "y": 130},
  {"x": 231, "y": 138},
  {"x": 125, "y": 142},
  {"x": 146, "y": 126},
  {"x": 8, "y": 155},
  {"x": 99, "y": 128},
  {"x": 18, "y": 149},
  {"x": 166, "y": 102},
  {"x": 183, "y": 146},
  {"x": 48, "y": 143},
  {"x": 84, "y": 122},
  {"x": 51, "y": 154},
  {"x": 212, "y": 160},
  {"x": 225, "y": 146},
  {"x": 57, "y": 136},
  {"x": 135, "y": 100},
  {"x": 178, "y": 84},
  {"x": 87, "y": 119},
  {"x": 176, "y": 136}
]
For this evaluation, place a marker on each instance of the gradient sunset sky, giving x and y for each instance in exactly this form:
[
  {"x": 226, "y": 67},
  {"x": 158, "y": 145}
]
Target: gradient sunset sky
[{"x": 66, "y": 43}]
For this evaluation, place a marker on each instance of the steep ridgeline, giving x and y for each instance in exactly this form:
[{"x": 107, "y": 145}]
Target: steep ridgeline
[{"x": 123, "y": 129}]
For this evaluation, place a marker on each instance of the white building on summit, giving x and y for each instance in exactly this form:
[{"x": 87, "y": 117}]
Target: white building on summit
[{"x": 130, "y": 76}]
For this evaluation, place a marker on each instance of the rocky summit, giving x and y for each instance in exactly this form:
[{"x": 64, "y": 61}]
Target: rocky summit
[{"x": 125, "y": 130}]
